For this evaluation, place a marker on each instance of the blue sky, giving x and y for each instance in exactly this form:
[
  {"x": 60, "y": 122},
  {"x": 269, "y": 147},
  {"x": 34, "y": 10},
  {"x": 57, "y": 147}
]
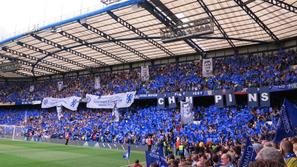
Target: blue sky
[{"x": 18, "y": 16}]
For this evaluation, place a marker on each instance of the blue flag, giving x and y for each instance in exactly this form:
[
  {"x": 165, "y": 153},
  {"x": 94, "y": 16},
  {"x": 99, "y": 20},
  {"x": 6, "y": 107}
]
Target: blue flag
[
  {"x": 158, "y": 149},
  {"x": 126, "y": 155},
  {"x": 287, "y": 122},
  {"x": 153, "y": 157},
  {"x": 248, "y": 155},
  {"x": 291, "y": 110}
]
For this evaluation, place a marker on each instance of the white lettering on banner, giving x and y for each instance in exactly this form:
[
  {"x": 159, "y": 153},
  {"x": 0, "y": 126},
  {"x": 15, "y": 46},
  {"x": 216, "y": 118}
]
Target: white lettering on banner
[
  {"x": 161, "y": 100},
  {"x": 171, "y": 100},
  {"x": 230, "y": 98},
  {"x": 264, "y": 96},
  {"x": 70, "y": 103},
  {"x": 218, "y": 98},
  {"x": 122, "y": 100},
  {"x": 189, "y": 99},
  {"x": 252, "y": 97}
]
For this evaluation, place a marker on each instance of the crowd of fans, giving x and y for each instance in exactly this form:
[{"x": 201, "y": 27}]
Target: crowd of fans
[
  {"x": 267, "y": 154},
  {"x": 217, "y": 125},
  {"x": 235, "y": 72},
  {"x": 215, "y": 138}
]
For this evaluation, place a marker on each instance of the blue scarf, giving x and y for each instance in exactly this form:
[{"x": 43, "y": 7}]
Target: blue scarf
[{"x": 290, "y": 155}]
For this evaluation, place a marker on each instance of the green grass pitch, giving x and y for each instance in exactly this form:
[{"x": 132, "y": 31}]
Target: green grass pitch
[{"x": 31, "y": 154}]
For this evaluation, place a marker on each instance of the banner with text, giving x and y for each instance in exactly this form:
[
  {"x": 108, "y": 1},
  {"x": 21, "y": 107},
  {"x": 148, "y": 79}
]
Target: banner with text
[
  {"x": 122, "y": 100},
  {"x": 70, "y": 103}
]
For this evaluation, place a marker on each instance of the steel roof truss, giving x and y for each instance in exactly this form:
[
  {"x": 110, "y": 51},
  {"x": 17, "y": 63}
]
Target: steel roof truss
[
  {"x": 64, "y": 48},
  {"x": 70, "y": 36},
  {"x": 34, "y": 58},
  {"x": 167, "y": 22},
  {"x": 256, "y": 19},
  {"x": 51, "y": 54},
  {"x": 110, "y": 38},
  {"x": 138, "y": 32},
  {"x": 208, "y": 12}
]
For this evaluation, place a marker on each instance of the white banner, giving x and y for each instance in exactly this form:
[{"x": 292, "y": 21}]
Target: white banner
[
  {"x": 59, "y": 112},
  {"x": 97, "y": 84},
  {"x": 70, "y": 103},
  {"x": 207, "y": 67},
  {"x": 186, "y": 112},
  {"x": 145, "y": 73},
  {"x": 122, "y": 100},
  {"x": 115, "y": 114},
  {"x": 32, "y": 87},
  {"x": 60, "y": 85}
]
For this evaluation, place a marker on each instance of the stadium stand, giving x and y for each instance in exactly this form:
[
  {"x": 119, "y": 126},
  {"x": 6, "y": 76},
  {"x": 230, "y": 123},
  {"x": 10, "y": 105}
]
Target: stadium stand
[
  {"x": 65, "y": 59},
  {"x": 235, "y": 72},
  {"x": 216, "y": 125}
]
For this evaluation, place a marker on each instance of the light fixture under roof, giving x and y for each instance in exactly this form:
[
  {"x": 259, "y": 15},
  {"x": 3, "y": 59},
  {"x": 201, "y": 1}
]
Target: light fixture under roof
[{"x": 182, "y": 17}]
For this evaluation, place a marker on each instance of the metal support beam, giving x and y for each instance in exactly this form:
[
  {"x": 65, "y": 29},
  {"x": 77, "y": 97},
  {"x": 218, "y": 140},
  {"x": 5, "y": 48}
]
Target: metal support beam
[
  {"x": 283, "y": 5},
  {"x": 64, "y": 48},
  {"x": 256, "y": 19},
  {"x": 167, "y": 11},
  {"x": 169, "y": 23},
  {"x": 70, "y": 36},
  {"x": 139, "y": 33},
  {"x": 35, "y": 59},
  {"x": 223, "y": 32},
  {"x": 29, "y": 70},
  {"x": 119, "y": 43},
  {"x": 46, "y": 53},
  {"x": 159, "y": 37},
  {"x": 23, "y": 74},
  {"x": 27, "y": 63}
]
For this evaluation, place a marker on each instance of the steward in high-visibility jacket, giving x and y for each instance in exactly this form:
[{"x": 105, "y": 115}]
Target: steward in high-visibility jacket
[
  {"x": 181, "y": 149},
  {"x": 167, "y": 148}
]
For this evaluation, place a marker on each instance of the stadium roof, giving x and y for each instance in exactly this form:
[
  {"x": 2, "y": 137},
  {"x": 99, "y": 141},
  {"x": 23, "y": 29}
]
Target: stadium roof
[{"x": 129, "y": 31}]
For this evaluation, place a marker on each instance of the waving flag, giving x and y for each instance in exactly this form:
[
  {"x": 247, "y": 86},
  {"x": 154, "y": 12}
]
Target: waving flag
[
  {"x": 126, "y": 155},
  {"x": 153, "y": 157},
  {"x": 248, "y": 155},
  {"x": 287, "y": 123}
]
